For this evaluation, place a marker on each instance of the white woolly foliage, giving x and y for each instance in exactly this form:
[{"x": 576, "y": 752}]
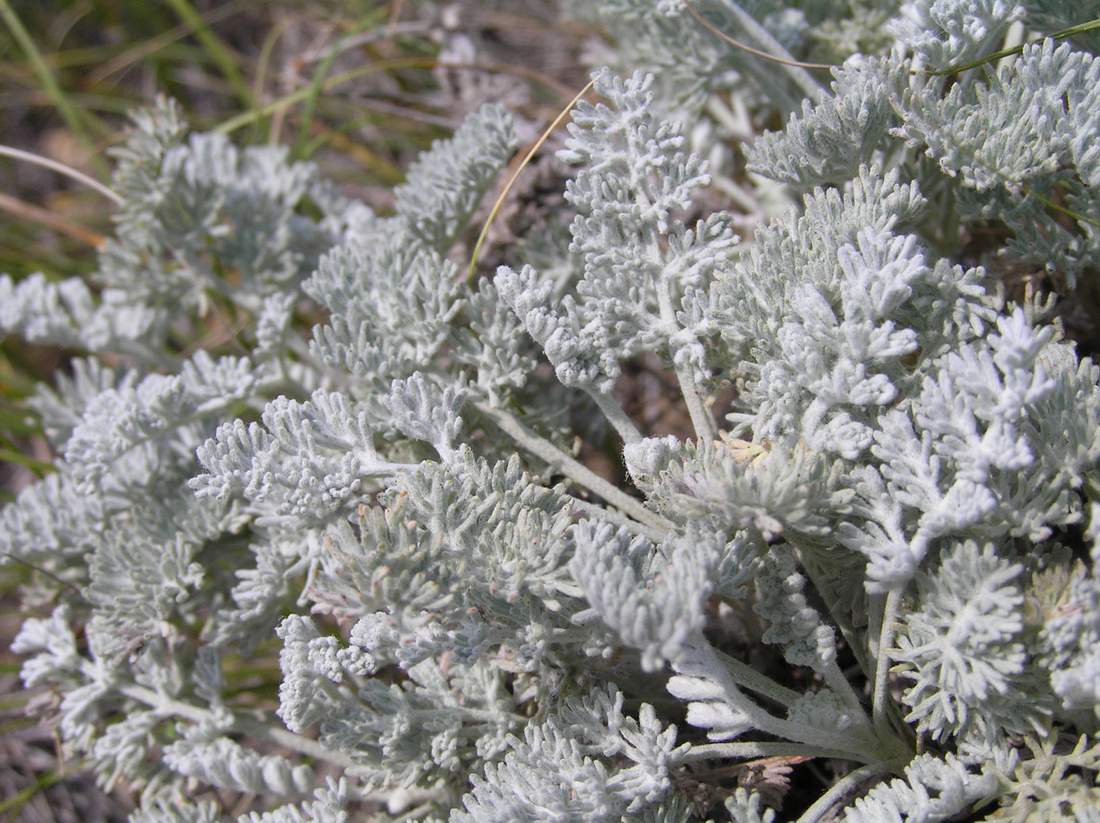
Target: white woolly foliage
[
  {"x": 424, "y": 412},
  {"x": 736, "y": 490},
  {"x": 176, "y": 810},
  {"x": 931, "y": 790},
  {"x": 392, "y": 302},
  {"x": 641, "y": 265},
  {"x": 830, "y": 141},
  {"x": 1072, "y": 638},
  {"x": 943, "y": 32},
  {"x": 651, "y": 596},
  {"x": 329, "y": 805},
  {"x": 305, "y": 462},
  {"x": 53, "y": 645},
  {"x": 707, "y": 704},
  {"x": 445, "y": 185},
  {"x": 792, "y": 622},
  {"x": 133, "y": 427},
  {"x": 557, "y": 771},
  {"x": 849, "y": 532},
  {"x": 978, "y": 453},
  {"x": 1012, "y": 138},
  {"x": 221, "y": 762},
  {"x": 745, "y": 807},
  {"x": 961, "y": 649}
]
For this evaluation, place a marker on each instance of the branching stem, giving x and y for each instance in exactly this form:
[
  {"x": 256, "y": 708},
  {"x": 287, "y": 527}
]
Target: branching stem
[
  {"x": 701, "y": 419},
  {"x": 574, "y": 470},
  {"x": 753, "y": 680},
  {"x": 247, "y": 725},
  {"x": 704, "y": 662}
]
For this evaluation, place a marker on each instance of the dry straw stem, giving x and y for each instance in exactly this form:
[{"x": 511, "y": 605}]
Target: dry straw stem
[
  {"x": 472, "y": 268},
  {"x": 1072, "y": 31},
  {"x": 745, "y": 47},
  {"x": 60, "y": 168}
]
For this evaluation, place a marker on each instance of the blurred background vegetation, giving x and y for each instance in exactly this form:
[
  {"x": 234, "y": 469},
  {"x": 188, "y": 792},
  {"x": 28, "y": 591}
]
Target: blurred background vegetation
[{"x": 357, "y": 86}]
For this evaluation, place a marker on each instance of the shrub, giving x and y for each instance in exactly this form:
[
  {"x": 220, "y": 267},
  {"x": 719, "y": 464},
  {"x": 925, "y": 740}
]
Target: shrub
[{"x": 470, "y": 622}]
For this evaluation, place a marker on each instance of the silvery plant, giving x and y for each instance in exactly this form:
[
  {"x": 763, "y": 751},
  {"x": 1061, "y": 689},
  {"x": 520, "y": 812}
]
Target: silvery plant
[{"x": 367, "y": 571}]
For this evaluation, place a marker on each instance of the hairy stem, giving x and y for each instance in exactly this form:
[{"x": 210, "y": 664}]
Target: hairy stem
[
  {"x": 701, "y": 419},
  {"x": 839, "y": 791},
  {"x": 746, "y": 751},
  {"x": 814, "y": 571},
  {"x": 616, "y": 416},
  {"x": 705, "y": 663},
  {"x": 575, "y": 471},
  {"x": 835, "y": 680},
  {"x": 247, "y": 725},
  {"x": 882, "y": 664},
  {"x": 617, "y": 517},
  {"x": 753, "y": 680}
]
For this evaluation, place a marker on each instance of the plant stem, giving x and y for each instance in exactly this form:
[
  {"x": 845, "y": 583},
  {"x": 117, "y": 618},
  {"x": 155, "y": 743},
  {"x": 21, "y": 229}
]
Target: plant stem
[
  {"x": 471, "y": 269},
  {"x": 251, "y": 116},
  {"x": 616, "y": 516},
  {"x": 242, "y": 723},
  {"x": 575, "y": 471},
  {"x": 815, "y": 571},
  {"x": 60, "y": 168},
  {"x": 882, "y": 664},
  {"x": 702, "y": 661},
  {"x": 701, "y": 419},
  {"x": 616, "y": 416},
  {"x": 34, "y": 214},
  {"x": 18, "y": 800},
  {"x": 835, "y": 680},
  {"x": 299, "y": 152},
  {"x": 756, "y": 681},
  {"x": 747, "y": 751},
  {"x": 848, "y": 784},
  {"x": 1080, "y": 28},
  {"x": 773, "y": 47}
]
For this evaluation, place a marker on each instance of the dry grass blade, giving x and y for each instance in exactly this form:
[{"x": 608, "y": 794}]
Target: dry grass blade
[
  {"x": 702, "y": 21},
  {"x": 471, "y": 269},
  {"x": 60, "y": 168}
]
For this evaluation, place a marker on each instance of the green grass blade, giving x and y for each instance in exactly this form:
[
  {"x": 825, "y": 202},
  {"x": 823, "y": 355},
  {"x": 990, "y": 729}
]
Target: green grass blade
[
  {"x": 305, "y": 140},
  {"x": 1072, "y": 31},
  {"x": 219, "y": 53},
  {"x": 299, "y": 152},
  {"x": 72, "y": 116},
  {"x": 39, "y": 467},
  {"x": 18, "y": 800},
  {"x": 295, "y": 97}
]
